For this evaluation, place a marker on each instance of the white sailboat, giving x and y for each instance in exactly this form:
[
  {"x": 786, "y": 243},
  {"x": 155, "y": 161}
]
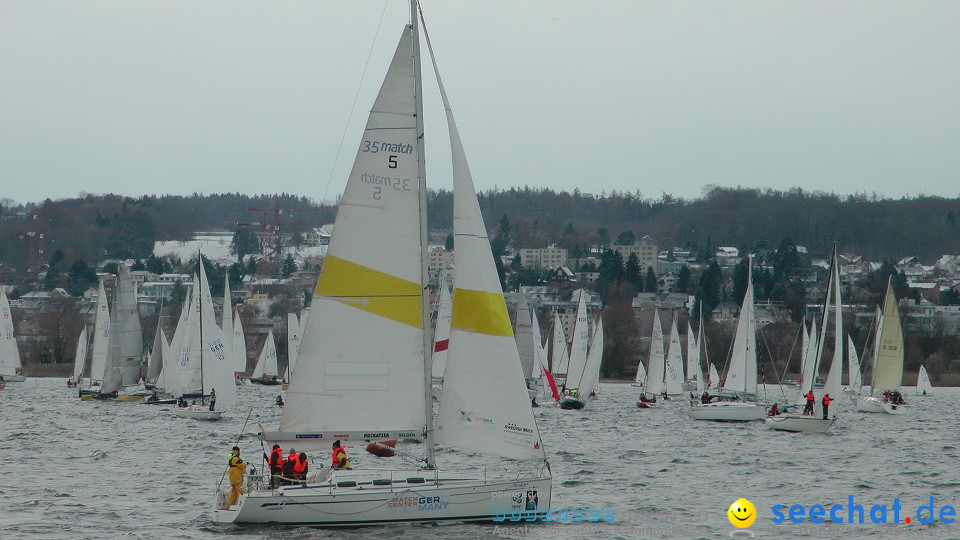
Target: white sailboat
[
  {"x": 559, "y": 355},
  {"x": 737, "y": 402},
  {"x": 129, "y": 333},
  {"x": 790, "y": 420},
  {"x": 655, "y": 368},
  {"x": 10, "y": 365},
  {"x": 673, "y": 363},
  {"x": 887, "y": 362},
  {"x": 104, "y": 380},
  {"x": 239, "y": 345},
  {"x": 266, "y": 370},
  {"x": 205, "y": 342},
  {"x": 540, "y": 364},
  {"x": 526, "y": 345},
  {"x": 80, "y": 358},
  {"x": 854, "y": 379},
  {"x": 579, "y": 348},
  {"x": 924, "y": 388},
  {"x": 586, "y": 379},
  {"x": 641, "y": 378},
  {"x": 373, "y": 284},
  {"x": 294, "y": 334}
]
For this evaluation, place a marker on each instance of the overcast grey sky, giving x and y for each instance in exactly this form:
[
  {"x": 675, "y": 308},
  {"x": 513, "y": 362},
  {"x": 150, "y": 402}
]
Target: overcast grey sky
[{"x": 149, "y": 96}]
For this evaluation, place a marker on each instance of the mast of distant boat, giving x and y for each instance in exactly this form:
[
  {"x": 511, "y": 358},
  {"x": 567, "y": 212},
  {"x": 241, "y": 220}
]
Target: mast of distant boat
[
  {"x": 424, "y": 275},
  {"x": 200, "y": 315}
]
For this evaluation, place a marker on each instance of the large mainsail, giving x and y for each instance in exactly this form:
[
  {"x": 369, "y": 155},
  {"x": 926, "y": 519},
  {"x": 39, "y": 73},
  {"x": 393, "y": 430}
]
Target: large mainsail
[
  {"x": 441, "y": 335},
  {"x": 9, "y": 353},
  {"x": 191, "y": 375},
  {"x": 888, "y": 370},
  {"x": 101, "y": 337},
  {"x": 483, "y": 353},
  {"x": 580, "y": 343},
  {"x": 742, "y": 373},
  {"x": 172, "y": 355},
  {"x": 673, "y": 375},
  {"x": 523, "y": 334},
  {"x": 364, "y": 338},
  {"x": 655, "y": 368},
  {"x": 129, "y": 332}
]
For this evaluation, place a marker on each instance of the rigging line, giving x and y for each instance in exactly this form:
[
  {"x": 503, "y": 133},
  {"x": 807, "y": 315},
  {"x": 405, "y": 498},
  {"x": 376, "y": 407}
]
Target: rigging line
[{"x": 353, "y": 107}]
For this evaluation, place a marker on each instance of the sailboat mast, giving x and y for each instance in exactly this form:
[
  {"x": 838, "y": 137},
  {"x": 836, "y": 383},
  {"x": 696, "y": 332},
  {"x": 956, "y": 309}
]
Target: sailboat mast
[
  {"x": 424, "y": 247},
  {"x": 200, "y": 315},
  {"x": 822, "y": 338}
]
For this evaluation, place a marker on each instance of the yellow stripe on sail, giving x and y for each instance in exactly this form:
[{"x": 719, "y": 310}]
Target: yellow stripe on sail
[
  {"x": 370, "y": 290},
  {"x": 480, "y": 312}
]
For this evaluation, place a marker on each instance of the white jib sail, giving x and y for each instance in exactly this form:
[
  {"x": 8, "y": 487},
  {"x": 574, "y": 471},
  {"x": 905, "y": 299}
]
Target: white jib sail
[
  {"x": 655, "y": 367},
  {"x": 364, "y": 336},
  {"x": 441, "y": 335},
  {"x": 129, "y": 332},
  {"x": 558, "y": 349},
  {"x": 216, "y": 364},
  {"x": 523, "y": 334},
  {"x": 855, "y": 379},
  {"x": 641, "y": 378},
  {"x": 744, "y": 355},
  {"x": 267, "y": 362},
  {"x": 923, "y": 382},
  {"x": 101, "y": 337},
  {"x": 591, "y": 375},
  {"x": 226, "y": 321},
  {"x": 170, "y": 374},
  {"x": 714, "y": 376},
  {"x": 9, "y": 352},
  {"x": 673, "y": 374},
  {"x": 483, "y": 353},
  {"x": 81, "y": 356},
  {"x": 293, "y": 343},
  {"x": 804, "y": 346},
  {"x": 239, "y": 343},
  {"x": 578, "y": 347}
]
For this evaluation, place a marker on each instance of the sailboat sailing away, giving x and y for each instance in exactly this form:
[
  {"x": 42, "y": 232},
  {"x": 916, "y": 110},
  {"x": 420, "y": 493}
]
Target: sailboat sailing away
[
  {"x": 368, "y": 342},
  {"x": 924, "y": 388}
]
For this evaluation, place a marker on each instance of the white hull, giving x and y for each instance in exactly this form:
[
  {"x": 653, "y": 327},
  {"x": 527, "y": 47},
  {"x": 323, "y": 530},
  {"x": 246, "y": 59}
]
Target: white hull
[
  {"x": 799, "y": 423},
  {"x": 371, "y": 497},
  {"x": 13, "y": 378},
  {"x": 727, "y": 411},
  {"x": 197, "y": 412},
  {"x": 876, "y": 405},
  {"x": 890, "y": 408}
]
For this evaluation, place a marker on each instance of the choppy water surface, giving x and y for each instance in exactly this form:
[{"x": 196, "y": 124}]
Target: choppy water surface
[{"x": 78, "y": 470}]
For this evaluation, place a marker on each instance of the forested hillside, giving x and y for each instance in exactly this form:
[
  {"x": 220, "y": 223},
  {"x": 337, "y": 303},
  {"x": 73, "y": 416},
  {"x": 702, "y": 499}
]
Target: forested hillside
[{"x": 95, "y": 227}]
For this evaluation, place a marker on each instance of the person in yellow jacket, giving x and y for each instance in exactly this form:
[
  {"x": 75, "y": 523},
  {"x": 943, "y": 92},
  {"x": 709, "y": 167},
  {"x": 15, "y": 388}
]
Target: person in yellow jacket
[{"x": 237, "y": 468}]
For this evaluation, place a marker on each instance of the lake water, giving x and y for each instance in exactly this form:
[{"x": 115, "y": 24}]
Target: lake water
[{"x": 92, "y": 470}]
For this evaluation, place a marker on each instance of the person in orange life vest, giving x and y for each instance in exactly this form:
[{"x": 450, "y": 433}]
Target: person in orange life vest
[
  {"x": 275, "y": 462},
  {"x": 237, "y": 468},
  {"x": 808, "y": 408},
  {"x": 300, "y": 468},
  {"x": 340, "y": 460},
  {"x": 288, "y": 466},
  {"x": 826, "y": 404}
]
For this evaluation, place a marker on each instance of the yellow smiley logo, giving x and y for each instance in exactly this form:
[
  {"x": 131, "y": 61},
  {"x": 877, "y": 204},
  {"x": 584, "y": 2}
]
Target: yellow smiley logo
[{"x": 742, "y": 513}]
